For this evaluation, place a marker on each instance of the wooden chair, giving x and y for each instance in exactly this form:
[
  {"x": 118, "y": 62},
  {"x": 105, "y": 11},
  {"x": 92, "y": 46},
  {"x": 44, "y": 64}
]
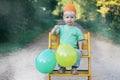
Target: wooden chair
[{"x": 53, "y": 44}]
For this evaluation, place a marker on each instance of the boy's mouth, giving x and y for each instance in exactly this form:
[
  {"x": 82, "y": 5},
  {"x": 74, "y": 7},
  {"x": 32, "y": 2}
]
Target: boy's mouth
[{"x": 69, "y": 22}]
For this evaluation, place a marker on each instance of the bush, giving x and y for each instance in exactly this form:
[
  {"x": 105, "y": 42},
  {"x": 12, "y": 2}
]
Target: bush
[{"x": 23, "y": 22}]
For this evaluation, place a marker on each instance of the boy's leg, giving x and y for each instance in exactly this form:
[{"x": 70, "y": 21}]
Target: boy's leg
[
  {"x": 61, "y": 69},
  {"x": 77, "y": 64}
]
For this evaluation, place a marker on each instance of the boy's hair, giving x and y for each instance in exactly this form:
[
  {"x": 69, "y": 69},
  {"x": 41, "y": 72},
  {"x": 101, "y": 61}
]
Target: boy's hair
[{"x": 69, "y": 7}]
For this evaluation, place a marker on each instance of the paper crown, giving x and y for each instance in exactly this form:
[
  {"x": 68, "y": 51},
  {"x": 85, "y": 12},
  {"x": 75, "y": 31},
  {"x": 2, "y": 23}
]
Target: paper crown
[{"x": 69, "y": 7}]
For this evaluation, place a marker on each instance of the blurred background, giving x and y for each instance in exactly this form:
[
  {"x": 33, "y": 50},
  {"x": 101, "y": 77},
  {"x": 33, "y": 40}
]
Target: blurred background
[{"x": 22, "y": 21}]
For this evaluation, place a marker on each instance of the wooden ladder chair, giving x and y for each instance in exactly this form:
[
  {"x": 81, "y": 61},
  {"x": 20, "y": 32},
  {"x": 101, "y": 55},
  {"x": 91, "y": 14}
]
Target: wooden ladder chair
[{"x": 53, "y": 44}]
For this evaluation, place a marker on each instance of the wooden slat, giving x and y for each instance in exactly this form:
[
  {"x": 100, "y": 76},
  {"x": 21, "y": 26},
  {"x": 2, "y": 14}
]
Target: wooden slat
[
  {"x": 85, "y": 56},
  {"x": 68, "y": 73},
  {"x": 86, "y": 36}
]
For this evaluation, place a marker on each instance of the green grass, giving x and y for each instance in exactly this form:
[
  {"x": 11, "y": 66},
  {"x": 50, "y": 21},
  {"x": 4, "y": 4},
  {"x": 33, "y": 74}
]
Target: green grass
[
  {"x": 9, "y": 47},
  {"x": 20, "y": 42}
]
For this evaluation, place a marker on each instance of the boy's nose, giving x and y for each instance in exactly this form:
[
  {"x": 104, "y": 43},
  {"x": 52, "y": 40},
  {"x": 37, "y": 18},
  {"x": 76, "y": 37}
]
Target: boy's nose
[{"x": 69, "y": 18}]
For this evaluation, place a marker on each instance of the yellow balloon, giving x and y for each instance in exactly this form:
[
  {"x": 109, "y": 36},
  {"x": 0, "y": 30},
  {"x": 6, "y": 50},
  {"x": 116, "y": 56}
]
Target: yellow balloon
[{"x": 66, "y": 55}]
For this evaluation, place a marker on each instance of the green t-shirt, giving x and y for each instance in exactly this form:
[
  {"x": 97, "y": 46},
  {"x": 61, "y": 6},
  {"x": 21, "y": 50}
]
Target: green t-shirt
[{"x": 70, "y": 35}]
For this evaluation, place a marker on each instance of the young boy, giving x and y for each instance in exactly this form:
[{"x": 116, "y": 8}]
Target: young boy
[{"x": 70, "y": 34}]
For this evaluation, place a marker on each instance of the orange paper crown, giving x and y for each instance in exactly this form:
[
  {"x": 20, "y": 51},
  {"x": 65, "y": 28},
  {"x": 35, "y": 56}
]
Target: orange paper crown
[{"x": 69, "y": 7}]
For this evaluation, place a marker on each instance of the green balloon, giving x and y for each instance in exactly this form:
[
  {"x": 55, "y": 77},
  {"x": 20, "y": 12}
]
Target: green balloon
[
  {"x": 66, "y": 55},
  {"x": 46, "y": 61}
]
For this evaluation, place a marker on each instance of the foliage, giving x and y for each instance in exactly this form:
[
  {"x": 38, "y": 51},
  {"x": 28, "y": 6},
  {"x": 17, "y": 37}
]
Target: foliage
[
  {"x": 107, "y": 6},
  {"x": 23, "y": 20}
]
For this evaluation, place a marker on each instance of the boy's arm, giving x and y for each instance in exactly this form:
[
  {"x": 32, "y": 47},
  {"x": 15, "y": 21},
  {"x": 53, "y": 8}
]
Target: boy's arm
[{"x": 54, "y": 29}]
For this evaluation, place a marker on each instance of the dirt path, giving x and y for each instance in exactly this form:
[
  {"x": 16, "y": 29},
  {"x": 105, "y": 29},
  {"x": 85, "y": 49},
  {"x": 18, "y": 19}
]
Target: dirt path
[
  {"x": 105, "y": 60},
  {"x": 20, "y": 65}
]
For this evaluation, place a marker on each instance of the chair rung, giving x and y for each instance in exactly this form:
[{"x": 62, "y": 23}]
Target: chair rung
[
  {"x": 68, "y": 73},
  {"x": 85, "y": 56}
]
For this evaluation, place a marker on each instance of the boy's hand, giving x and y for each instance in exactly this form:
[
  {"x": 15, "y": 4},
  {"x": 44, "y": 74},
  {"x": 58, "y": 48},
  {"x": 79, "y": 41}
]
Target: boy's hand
[
  {"x": 81, "y": 51},
  {"x": 56, "y": 27}
]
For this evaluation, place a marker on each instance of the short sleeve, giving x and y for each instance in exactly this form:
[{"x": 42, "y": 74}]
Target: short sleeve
[{"x": 79, "y": 35}]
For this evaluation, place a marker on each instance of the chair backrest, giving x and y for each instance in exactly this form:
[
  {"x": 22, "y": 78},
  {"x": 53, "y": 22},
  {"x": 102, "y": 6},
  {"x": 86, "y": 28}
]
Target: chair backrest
[
  {"x": 86, "y": 43},
  {"x": 54, "y": 41}
]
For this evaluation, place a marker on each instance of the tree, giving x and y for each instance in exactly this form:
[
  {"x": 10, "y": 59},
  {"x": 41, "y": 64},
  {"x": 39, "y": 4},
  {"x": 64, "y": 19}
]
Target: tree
[
  {"x": 107, "y": 6},
  {"x": 19, "y": 18}
]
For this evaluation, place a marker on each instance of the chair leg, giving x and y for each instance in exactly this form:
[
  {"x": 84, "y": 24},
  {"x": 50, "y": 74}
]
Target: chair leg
[
  {"x": 49, "y": 78},
  {"x": 89, "y": 77}
]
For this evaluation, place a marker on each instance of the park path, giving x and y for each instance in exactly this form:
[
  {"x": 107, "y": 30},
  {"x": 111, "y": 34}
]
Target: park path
[{"x": 20, "y": 65}]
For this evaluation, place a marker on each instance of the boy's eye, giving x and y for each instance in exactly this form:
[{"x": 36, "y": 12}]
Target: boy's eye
[
  {"x": 72, "y": 17},
  {"x": 67, "y": 17}
]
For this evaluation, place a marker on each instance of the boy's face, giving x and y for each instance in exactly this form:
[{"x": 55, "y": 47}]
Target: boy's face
[{"x": 69, "y": 17}]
